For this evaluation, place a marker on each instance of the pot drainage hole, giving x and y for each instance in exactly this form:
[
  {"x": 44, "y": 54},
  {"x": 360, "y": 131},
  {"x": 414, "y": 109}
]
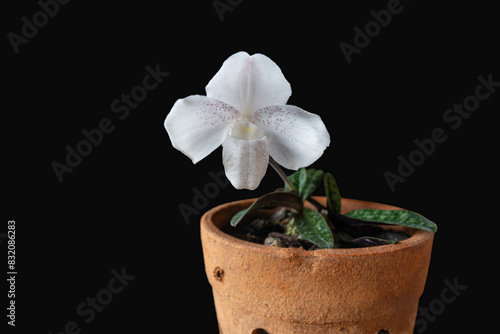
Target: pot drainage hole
[{"x": 218, "y": 273}]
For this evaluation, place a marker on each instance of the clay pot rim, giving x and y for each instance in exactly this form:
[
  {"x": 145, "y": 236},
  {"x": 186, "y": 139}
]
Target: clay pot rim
[{"x": 417, "y": 237}]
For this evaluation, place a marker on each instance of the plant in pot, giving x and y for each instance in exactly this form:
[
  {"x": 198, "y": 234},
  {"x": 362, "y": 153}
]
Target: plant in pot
[{"x": 290, "y": 262}]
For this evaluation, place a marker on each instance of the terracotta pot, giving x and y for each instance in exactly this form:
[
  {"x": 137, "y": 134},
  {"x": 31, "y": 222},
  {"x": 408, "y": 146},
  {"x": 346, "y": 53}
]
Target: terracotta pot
[{"x": 261, "y": 289}]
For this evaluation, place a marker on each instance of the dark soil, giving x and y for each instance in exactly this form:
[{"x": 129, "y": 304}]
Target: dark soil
[{"x": 275, "y": 230}]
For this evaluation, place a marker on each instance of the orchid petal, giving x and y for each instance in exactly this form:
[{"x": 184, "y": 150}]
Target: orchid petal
[
  {"x": 245, "y": 161},
  {"x": 198, "y": 125},
  {"x": 249, "y": 82},
  {"x": 297, "y": 138}
]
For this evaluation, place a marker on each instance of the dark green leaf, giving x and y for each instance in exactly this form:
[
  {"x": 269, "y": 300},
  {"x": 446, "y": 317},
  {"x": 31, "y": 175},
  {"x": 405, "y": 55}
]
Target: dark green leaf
[
  {"x": 332, "y": 193},
  {"x": 294, "y": 179},
  {"x": 314, "y": 178},
  {"x": 305, "y": 187},
  {"x": 302, "y": 180},
  {"x": 394, "y": 217},
  {"x": 271, "y": 200},
  {"x": 312, "y": 227},
  {"x": 355, "y": 227}
]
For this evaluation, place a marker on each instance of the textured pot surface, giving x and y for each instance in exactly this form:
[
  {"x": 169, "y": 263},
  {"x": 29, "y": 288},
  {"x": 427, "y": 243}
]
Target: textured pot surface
[{"x": 264, "y": 289}]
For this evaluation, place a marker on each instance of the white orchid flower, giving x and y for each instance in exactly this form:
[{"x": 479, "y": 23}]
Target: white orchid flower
[{"x": 245, "y": 110}]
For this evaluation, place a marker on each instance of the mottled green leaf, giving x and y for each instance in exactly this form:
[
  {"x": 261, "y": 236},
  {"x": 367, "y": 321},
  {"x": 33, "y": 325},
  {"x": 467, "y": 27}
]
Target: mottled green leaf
[
  {"x": 312, "y": 227},
  {"x": 305, "y": 181},
  {"x": 294, "y": 180},
  {"x": 394, "y": 217},
  {"x": 332, "y": 193},
  {"x": 314, "y": 178},
  {"x": 302, "y": 180}
]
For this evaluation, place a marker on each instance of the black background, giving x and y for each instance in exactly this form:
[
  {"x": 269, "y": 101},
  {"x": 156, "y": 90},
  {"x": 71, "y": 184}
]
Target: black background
[{"x": 119, "y": 207}]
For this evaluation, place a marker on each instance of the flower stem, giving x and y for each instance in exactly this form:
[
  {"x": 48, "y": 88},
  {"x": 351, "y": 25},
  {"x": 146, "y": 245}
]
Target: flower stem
[{"x": 281, "y": 173}]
